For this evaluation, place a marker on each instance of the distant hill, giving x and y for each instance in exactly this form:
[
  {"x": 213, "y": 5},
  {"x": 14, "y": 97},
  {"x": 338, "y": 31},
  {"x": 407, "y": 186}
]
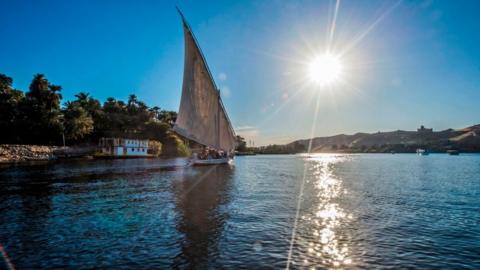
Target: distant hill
[{"x": 465, "y": 140}]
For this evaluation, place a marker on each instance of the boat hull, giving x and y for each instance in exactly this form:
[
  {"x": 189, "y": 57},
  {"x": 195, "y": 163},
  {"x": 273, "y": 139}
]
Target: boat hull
[{"x": 216, "y": 161}]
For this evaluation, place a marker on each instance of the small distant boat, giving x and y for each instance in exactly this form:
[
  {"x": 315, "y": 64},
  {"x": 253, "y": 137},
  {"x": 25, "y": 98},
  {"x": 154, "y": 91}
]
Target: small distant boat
[
  {"x": 453, "y": 152},
  {"x": 202, "y": 117},
  {"x": 422, "y": 152}
]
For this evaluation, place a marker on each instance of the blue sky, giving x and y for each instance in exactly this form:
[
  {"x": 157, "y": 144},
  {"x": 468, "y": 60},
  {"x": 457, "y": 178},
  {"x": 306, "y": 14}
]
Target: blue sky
[{"x": 405, "y": 63}]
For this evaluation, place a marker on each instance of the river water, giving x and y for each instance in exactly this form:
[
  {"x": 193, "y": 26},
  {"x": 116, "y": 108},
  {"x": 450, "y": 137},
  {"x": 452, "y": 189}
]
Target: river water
[{"x": 356, "y": 211}]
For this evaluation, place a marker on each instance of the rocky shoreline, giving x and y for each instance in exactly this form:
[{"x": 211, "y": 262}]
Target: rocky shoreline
[{"x": 12, "y": 153}]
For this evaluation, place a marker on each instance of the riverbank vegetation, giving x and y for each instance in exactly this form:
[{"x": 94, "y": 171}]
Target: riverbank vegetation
[{"x": 38, "y": 117}]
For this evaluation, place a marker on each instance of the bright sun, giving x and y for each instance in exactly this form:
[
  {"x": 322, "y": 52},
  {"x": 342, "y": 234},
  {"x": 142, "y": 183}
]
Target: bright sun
[{"x": 325, "y": 69}]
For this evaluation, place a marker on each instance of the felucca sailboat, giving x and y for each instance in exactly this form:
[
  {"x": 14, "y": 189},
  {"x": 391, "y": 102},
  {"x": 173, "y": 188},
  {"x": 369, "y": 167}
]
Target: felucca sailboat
[{"x": 202, "y": 117}]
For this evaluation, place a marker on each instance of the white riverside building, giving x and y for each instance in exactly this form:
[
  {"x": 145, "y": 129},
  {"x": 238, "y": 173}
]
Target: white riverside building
[{"x": 124, "y": 147}]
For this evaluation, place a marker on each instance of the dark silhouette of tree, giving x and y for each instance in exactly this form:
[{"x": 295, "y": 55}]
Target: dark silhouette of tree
[
  {"x": 155, "y": 130},
  {"x": 155, "y": 111},
  {"x": 241, "y": 144},
  {"x": 9, "y": 99},
  {"x": 77, "y": 121},
  {"x": 114, "y": 122},
  {"x": 132, "y": 101},
  {"x": 41, "y": 118},
  {"x": 93, "y": 108},
  {"x": 82, "y": 97},
  {"x": 168, "y": 117},
  {"x": 37, "y": 117},
  {"x": 135, "y": 119}
]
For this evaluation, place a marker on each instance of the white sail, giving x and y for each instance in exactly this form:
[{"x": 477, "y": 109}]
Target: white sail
[{"x": 201, "y": 117}]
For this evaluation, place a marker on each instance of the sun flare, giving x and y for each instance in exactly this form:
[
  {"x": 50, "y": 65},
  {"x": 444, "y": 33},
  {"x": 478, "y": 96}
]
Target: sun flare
[{"x": 325, "y": 69}]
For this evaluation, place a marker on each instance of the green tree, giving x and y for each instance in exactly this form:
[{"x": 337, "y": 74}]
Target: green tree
[
  {"x": 168, "y": 117},
  {"x": 41, "y": 121},
  {"x": 9, "y": 99},
  {"x": 82, "y": 97},
  {"x": 241, "y": 144},
  {"x": 94, "y": 110},
  {"x": 37, "y": 118},
  {"x": 78, "y": 123},
  {"x": 138, "y": 114},
  {"x": 155, "y": 148},
  {"x": 89, "y": 104},
  {"x": 113, "y": 122},
  {"x": 155, "y": 111},
  {"x": 5, "y": 83},
  {"x": 174, "y": 146},
  {"x": 155, "y": 130},
  {"x": 132, "y": 101}
]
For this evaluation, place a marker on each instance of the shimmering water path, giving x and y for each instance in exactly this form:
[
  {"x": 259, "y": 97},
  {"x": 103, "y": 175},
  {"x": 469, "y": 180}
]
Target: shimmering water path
[{"x": 357, "y": 211}]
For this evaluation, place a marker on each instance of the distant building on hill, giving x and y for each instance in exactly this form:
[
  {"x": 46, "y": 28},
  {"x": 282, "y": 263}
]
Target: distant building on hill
[
  {"x": 422, "y": 129},
  {"x": 124, "y": 147}
]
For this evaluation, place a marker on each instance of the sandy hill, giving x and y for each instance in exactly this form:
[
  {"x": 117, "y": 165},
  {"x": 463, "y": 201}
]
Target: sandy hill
[{"x": 467, "y": 139}]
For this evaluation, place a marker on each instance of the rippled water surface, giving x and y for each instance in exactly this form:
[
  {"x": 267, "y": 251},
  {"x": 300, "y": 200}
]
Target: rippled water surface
[{"x": 357, "y": 211}]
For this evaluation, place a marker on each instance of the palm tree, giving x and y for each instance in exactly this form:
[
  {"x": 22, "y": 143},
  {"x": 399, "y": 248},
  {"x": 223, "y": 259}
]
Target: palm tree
[
  {"x": 156, "y": 111},
  {"x": 82, "y": 97},
  {"x": 132, "y": 100}
]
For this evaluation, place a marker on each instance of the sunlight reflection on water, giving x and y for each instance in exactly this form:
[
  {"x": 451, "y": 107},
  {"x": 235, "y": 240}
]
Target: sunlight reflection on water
[
  {"x": 324, "y": 246},
  {"x": 360, "y": 211}
]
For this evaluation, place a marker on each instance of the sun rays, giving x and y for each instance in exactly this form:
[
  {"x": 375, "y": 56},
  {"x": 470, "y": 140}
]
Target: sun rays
[{"x": 324, "y": 68}]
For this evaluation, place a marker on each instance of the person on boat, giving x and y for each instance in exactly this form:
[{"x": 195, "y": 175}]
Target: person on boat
[{"x": 209, "y": 153}]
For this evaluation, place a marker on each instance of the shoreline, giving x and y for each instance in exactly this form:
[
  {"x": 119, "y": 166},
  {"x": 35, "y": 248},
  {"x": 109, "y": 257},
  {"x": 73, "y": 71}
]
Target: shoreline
[
  {"x": 15, "y": 153},
  {"x": 387, "y": 153},
  {"x": 24, "y": 153},
  {"x": 21, "y": 153}
]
